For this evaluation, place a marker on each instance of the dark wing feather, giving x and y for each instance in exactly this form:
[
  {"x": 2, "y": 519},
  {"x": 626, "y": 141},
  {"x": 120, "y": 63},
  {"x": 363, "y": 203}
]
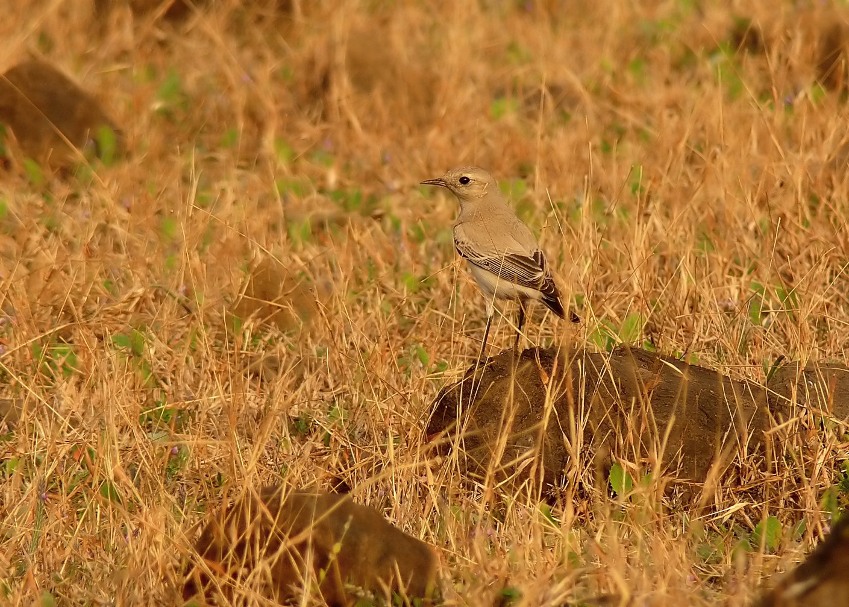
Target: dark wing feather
[
  {"x": 550, "y": 294},
  {"x": 511, "y": 267},
  {"x": 529, "y": 271}
]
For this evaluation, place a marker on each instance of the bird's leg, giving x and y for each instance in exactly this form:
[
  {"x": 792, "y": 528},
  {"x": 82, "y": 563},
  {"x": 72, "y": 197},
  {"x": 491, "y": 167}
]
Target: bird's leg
[
  {"x": 490, "y": 310},
  {"x": 520, "y": 324}
]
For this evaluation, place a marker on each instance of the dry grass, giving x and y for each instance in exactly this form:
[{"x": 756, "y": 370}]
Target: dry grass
[{"x": 679, "y": 170}]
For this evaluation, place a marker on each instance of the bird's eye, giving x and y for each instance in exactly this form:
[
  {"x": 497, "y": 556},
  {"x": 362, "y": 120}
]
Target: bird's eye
[{"x": 464, "y": 180}]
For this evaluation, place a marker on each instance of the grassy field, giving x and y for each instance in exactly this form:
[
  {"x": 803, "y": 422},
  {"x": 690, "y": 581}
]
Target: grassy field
[{"x": 261, "y": 292}]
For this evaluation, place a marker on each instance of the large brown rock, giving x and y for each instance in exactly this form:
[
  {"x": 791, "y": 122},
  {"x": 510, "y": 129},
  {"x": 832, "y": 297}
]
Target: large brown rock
[
  {"x": 820, "y": 388},
  {"x": 272, "y": 542},
  {"x": 527, "y": 418},
  {"x": 822, "y": 580},
  {"x": 47, "y": 111}
]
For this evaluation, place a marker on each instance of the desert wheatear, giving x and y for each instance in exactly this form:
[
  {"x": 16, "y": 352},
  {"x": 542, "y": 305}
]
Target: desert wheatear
[{"x": 501, "y": 251}]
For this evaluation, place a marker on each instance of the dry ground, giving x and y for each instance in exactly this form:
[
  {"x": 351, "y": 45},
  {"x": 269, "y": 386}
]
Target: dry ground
[{"x": 685, "y": 166}]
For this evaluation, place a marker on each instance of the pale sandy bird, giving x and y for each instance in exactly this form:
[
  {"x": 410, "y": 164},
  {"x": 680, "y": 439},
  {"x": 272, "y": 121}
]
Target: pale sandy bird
[{"x": 502, "y": 253}]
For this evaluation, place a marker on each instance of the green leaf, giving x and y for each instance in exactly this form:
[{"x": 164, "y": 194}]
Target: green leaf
[
  {"x": 423, "y": 356},
  {"x": 636, "y": 180},
  {"x": 47, "y": 600},
  {"x": 518, "y": 54},
  {"x": 418, "y": 232},
  {"x": 631, "y": 329},
  {"x": 132, "y": 341},
  {"x": 548, "y": 515},
  {"x": 789, "y": 299},
  {"x": 300, "y": 231},
  {"x": 169, "y": 227},
  {"x": 770, "y": 371},
  {"x": 322, "y": 157},
  {"x": 301, "y": 425},
  {"x": 230, "y": 138},
  {"x": 291, "y": 186},
  {"x": 756, "y": 303},
  {"x": 604, "y": 336},
  {"x": 515, "y": 189},
  {"x": 34, "y": 173},
  {"x": 637, "y": 68},
  {"x": 11, "y": 465},
  {"x": 170, "y": 95},
  {"x": 739, "y": 550},
  {"x": 110, "y": 492},
  {"x": 704, "y": 244},
  {"x": 728, "y": 74},
  {"x": 829, "y": 502},
  {"x": 767, "y": 534},
  {"x": 177, "y": 461},
  {"x": 510, "y": 595},
  {"x": 620, "y": 480},
  {"x": 284, "y": 152},
  {"x": 64, "y": 357},
  {"x": 799, "y": 530},
  {"x": 107, "y": 144},
  {"x": 502, "y": 106},
  {"x": 817, "y": 93}
]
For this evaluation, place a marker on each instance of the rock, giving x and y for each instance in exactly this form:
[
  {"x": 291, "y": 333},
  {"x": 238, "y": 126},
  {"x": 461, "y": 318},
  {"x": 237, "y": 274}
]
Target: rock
[
  {"x": 269, "y": 543},
  {"x": 44, "y": 108},
  {"x": 822, "y": 580},
  {"x": 822, "y": 388},
  {"x": 560, "y": 404},
  {"x": 629, "y": 403}
]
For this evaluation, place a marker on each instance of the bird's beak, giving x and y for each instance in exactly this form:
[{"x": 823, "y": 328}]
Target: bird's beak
[{"x": 438, "y": 181}]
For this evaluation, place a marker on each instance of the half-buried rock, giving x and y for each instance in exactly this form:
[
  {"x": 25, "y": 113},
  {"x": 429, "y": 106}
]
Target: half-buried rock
[
  {"x": 527, "y": 420},
  {"x": 280, "y": 545},
  {"x": 53, "y": 119}
]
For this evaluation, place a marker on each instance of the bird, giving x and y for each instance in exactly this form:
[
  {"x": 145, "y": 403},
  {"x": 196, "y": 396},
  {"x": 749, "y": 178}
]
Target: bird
[{"x": 502, "y": 253}]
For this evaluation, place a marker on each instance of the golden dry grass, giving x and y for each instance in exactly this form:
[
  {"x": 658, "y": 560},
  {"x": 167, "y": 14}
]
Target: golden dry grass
[{"x": 681, "y": 169}]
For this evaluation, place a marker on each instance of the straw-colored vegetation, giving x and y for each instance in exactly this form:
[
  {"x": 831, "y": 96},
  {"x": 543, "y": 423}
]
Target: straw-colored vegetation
[{"x": 683, "y": 163}]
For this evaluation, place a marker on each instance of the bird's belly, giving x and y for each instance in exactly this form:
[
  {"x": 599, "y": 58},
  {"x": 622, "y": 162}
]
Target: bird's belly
[{"x": 493, "y": 286}]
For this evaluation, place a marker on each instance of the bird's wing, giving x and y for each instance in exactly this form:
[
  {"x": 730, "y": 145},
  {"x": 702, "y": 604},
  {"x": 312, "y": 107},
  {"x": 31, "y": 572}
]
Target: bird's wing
[{"x": 502, "y": 255}]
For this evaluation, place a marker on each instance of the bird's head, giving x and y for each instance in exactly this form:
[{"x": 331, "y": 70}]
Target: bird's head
[{"x": 467, "y": 183}]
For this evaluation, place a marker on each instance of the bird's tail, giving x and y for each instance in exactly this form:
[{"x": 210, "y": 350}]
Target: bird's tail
[{"x": 551, "y": 299}]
